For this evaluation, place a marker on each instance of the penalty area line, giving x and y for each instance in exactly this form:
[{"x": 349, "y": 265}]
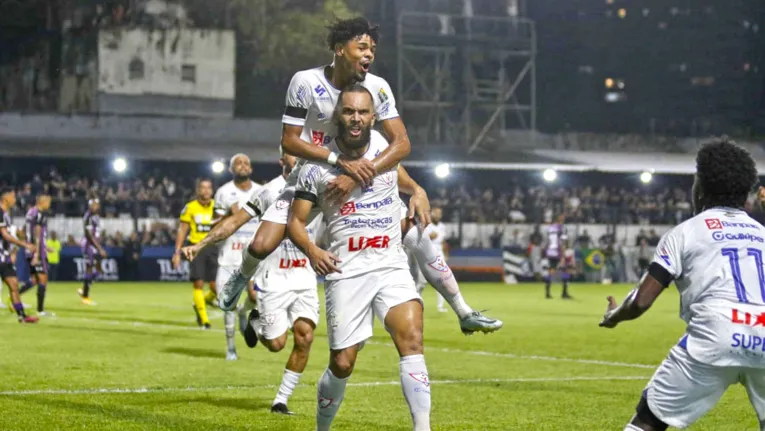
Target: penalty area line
[{"x": 355, "y": 384}]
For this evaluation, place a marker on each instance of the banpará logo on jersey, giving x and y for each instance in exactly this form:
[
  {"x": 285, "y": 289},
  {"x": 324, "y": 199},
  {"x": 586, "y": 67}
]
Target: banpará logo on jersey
[
  {"x": 351, "y": 207},
  {"x": 380, "y": 223},
  {"x": 717, "y": 224},
  {"x": 720, "y": 236}
]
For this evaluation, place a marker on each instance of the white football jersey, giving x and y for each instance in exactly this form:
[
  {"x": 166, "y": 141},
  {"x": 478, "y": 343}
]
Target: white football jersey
[
  {"x": 230, "y": 252},
  {"x": 311, "y": 100},
  {"x": 364, "y": 232},
  {"x": 256, "y": 203},
  {"x": 287, "y": 268},
  {"x": 716, "y": 260},
  {"x": 440, "y": 231}
]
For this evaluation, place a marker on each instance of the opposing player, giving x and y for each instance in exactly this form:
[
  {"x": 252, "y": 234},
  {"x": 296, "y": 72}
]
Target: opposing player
[
  {"x": 196, "y": 220},
  {"x": 230, "y": 252},
  {"x": 7, "y": 268},
  {"x": 36, "y": 232},
  {"x": 716, "y": 261},
  {"x": 366, "y": 269},
  {"x": 307, "y": 127},
  {"x": 556, "y": 235},
  {"x": 92, "y": 251}
]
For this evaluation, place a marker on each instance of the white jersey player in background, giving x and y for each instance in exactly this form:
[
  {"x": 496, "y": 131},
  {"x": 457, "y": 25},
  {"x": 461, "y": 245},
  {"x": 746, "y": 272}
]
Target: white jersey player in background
[
  {"x": 230, "y": 252},
  {"x": 308, "y": 127},
  {"x": 366, "y": 267},
  {"x": 716, "y": 261}
]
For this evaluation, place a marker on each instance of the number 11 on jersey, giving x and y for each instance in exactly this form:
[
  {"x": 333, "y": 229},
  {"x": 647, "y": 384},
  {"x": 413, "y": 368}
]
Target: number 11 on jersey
[{"x": 732, "y": 255}]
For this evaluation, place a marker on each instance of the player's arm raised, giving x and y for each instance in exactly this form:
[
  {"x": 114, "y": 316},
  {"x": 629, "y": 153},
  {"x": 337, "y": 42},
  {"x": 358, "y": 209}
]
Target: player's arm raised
[
  {"x": 298, "y": 100},
  {"x": 223, "y": 229}
]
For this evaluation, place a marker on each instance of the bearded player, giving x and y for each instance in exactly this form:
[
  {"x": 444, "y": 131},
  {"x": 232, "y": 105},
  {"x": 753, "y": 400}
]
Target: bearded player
[
  {"x": 230, "y": 252},
  {"x": 715, "y": 260},
  {"x": 307, "y": 127},
  {"x": 366, "y": 268}
]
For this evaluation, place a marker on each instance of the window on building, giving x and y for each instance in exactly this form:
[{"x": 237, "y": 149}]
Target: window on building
[{"x": 136, "y": 69}]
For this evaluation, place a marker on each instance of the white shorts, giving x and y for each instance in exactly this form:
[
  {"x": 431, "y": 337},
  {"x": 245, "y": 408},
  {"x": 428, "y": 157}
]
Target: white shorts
[
  {"x": 683, "y": 389},
  {"x": 280, "y": 309},
  {"x": 353, "y": 302}
]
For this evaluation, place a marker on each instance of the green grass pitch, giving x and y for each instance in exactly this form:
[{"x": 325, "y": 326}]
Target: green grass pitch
[{"x": 137, "y": 361}]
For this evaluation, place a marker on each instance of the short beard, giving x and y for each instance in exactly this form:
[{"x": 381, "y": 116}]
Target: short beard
[
  {"x": 241, "y": 178},
  {"x": 364, "y": 139}
]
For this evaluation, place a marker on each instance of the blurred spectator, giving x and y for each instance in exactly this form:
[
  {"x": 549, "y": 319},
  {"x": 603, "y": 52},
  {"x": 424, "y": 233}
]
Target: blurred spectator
[
  {"x": 131, "y": 254},
  {"x": 54, "y": 256}
]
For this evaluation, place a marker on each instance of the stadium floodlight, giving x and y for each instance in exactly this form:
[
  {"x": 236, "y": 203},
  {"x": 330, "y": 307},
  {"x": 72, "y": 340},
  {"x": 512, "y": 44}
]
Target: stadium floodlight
[
  {"x": 646, "y": 177},
  {"x": 442, "y": 170},
  {"x": 119, "y": 165},
  {"x": 549, "y": 175},
  {"x": 218, "y": 167}
]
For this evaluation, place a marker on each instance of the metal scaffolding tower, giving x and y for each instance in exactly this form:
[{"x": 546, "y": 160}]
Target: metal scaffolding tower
[{"x": 463, "y": 81}]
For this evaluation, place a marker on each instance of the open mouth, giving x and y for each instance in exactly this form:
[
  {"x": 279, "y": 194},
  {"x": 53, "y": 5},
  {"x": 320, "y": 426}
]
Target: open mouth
[
  {"x": 365, "y": 66},
  {"x": 355, "y": 131}
]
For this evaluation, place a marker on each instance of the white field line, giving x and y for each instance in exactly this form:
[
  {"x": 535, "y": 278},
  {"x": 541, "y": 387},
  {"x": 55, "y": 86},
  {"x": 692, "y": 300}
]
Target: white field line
[
  {"x": 377, "y": 343},
  {"x": 358, "y": 384}
]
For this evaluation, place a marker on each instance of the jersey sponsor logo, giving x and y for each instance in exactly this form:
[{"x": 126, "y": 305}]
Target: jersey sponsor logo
[
  {"x": 318, "y": 137},
  {"x": 351, "y": 207},
  {"x": 320, "y": 91},
  {"x": 292, "y": 263},
  {"x": 301, "y": 93},
  {"x": 365, "y": 242},
  {"x": 740, "y": 225},
  {"x": 746, "y": 318},
  {"x": 748, "y": 342},
  {"x": 380, "y": 223},
  {"x": 383, "y": 111},
  {"x": 713, "y": 223},
  {"x": 720, "y": 236}
]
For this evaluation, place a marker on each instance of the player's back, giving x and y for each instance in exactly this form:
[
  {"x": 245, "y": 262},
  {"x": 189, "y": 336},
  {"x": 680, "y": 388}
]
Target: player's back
[{"x": 717, "y": 261}]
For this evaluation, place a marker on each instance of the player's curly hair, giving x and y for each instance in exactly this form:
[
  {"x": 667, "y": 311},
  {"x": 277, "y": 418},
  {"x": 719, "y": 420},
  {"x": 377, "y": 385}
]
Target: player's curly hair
[
  {"x": 345, "y": 30},
  {"x": 726, "y": 174}
]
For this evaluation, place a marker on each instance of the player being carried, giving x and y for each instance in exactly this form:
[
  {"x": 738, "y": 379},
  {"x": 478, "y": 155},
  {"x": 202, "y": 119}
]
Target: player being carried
[
  {"x": 307, "y": 127},
  {"x": 716, "y": 261},
  {"x": 230, "y": 252},
  {"x": 366, "y": 268}
]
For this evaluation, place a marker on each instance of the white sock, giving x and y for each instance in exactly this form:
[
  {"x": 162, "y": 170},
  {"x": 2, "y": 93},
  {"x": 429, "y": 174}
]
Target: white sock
[
  {"x": 433, "y": 266},
  {"x": 440, "y": 301},
  {"x": 229, "y": 323},
  {"x": 290, "y": 380},
  {"x": 249, "y": 263},
  {"x": 416, "y": 387},
  {"x": 631, "y": 427},
  {"x": 330, "y": 395}
]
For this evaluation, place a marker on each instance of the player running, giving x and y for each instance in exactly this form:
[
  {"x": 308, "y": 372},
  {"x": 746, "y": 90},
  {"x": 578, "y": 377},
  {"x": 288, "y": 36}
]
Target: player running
[
  {"x": 556, "y": 237},
  {"x": 7, "y": 268},
  {"x": 230, "y": 252},
  {"x": 366, "y": 269},
  {"x": 36, "y": 232},
  {"x": 92, "y": 251},
  {"x": 307, "y": 128},
  {"x": 196, "y": 220},
  {"x": 716, "y": 262}
]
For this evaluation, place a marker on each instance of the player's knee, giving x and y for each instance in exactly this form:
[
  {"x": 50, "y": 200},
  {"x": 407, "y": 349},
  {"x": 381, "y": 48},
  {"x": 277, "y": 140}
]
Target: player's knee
[
  {"x": 264, "y": 243},
  {"x": 277, "y": 344},
  {"x": 342, "y": 364},
  {"x": 645, "y": 419},
  {"x": 303, "y": 339}
]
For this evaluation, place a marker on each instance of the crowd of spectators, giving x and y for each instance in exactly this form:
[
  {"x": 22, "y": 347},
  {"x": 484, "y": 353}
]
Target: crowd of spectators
[{"x": 162, "y": 194}]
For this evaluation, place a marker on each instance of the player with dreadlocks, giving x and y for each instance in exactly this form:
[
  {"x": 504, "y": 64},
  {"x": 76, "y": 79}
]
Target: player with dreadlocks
[
  {"x": 307, "y": 128},
  {"x": 716, "y": 261}
]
